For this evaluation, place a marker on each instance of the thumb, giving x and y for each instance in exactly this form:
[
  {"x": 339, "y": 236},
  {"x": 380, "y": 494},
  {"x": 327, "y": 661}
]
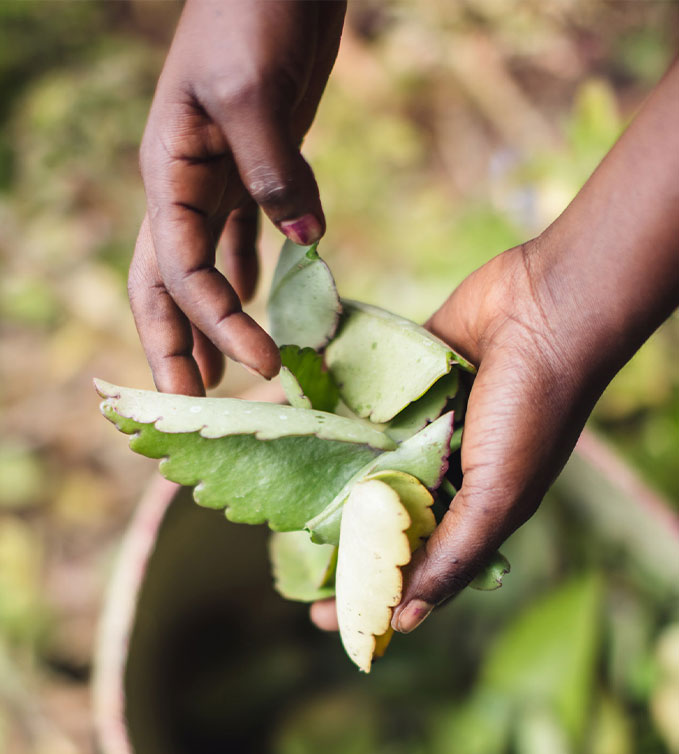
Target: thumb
[
  {"x": 462, "y": 544},
  {"x": 520, "y": 428}
]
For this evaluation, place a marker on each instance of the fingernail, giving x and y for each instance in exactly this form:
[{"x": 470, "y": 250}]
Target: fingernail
[
  {"x": 412, "y": 615},
  {"x": 303, "y": 230}
]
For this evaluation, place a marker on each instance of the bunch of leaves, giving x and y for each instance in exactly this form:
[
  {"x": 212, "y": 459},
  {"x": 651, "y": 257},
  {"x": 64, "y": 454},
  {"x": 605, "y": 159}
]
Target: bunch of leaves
[{"x": 346, "y": 474}]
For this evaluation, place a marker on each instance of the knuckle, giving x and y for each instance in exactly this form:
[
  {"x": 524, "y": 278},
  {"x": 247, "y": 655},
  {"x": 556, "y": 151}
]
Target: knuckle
[
  {"x": 256, "y": 87},
  {"x": 267, "y": 187},
  {"x": 237, "y": 92}
]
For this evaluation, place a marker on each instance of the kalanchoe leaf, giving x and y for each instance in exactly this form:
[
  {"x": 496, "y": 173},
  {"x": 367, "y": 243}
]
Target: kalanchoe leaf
[
  {"x": 293, "y": 390},
  {"x": 490, "y": 578},
  {"x": 313, "y": 380},
  {"x": 424, "y": 456},
  {"x": 220, "y": 417},
  {"x": 300, "y": 568},
  {"x": 416, "y": 499},
  {"x": 304, "y": 307},
  {"x": 331, "y": 570},
  {"x": 456, "y": 439},
  {"x": 262, "y": 462},
  {"x": 424, "y": 410},
  {"x": 373, "y": 547},
  {"x": 382, "y": 363}
]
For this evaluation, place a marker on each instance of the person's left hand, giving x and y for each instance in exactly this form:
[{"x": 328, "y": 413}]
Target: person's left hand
[{"x": 527, "y": 406}]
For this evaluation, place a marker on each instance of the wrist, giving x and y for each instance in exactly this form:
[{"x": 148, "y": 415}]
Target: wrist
[{"x": 600, "y": 294}]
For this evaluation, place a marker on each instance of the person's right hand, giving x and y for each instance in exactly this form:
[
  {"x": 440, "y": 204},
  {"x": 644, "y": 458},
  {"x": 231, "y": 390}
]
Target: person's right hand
[{"x": 238, "y": 91}]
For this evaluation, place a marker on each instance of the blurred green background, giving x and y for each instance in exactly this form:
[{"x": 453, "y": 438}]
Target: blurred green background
[{"x": 450, "y": 131}]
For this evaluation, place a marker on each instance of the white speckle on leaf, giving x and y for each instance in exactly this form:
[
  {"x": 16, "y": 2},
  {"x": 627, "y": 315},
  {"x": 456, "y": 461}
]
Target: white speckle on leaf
[{"x": 196, "y": 409}]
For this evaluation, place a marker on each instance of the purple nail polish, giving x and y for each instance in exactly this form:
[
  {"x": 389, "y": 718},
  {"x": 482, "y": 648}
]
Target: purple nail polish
[
  {"x": 413, "y": 614},
  {"x": 303, "y": 230}
]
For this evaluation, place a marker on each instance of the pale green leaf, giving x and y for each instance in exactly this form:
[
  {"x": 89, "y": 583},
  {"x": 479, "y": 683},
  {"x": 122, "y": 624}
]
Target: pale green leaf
[
  {"x": 490, "y": 578},
  {"x": 313, "y": 380},
  {"x": 293, "y": 390},
  {"x": 424, "y": 410},
  {"x": 424, "y": 456},
  {"x": 220, "y": 417},
  {"x": 373, "y": 546},
  {"x": 248, "y": 465},
  {"x": 304, "y": 307},
  {"x": 300, "y": 567},
  {"x": 382, "y": 362}
]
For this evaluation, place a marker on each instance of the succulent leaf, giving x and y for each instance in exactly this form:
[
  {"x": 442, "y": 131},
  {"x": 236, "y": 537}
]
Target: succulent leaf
[
  {"x": 303, "y": 305},
  {"x": 373, "y": 547},
  {"x": 260, "y": 461},
  {"x": 300, "y": 567},
  {"x": 313, "y": 381},
  {"x": 382, "y": 362}
]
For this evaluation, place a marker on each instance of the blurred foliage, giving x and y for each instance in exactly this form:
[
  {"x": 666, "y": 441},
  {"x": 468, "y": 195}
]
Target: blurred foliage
[{"x": 449, "y": 132}]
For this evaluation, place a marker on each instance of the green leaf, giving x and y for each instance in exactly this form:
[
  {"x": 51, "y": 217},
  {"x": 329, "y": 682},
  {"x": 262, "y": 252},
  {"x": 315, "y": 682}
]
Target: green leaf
[
  {"x": 292, "y": 389},
  {"x": 373, "y": 546},
  {"x": 303, "y": 306},
  {"x": 421, "y": 412},
  {"x": 314, "y": 382},
  {"x": 480, "y": 723},
  {"x": 260, "y": 461},
  {"x": 300, "y": 567},
  {"x": 382, "y": 362},
  {"x": 456, "y": 439},
  {"x": 547, "y": 657},
  {"x": 490, "y": 578},
  {"x": 221, "y": 417},
  {"x": 424, "y": 456}
]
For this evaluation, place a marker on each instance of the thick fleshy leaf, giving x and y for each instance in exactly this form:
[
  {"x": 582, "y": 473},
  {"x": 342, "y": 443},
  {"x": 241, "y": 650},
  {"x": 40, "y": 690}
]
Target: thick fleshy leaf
[
  {"x": 220, "y": 417},
  {"x": 424, "y": 456},
  {"x": 314, "y": 381},
  {"x": 490, "y": 578},
  {"x": 304, "y": 307},
  {"x": 373, "y": 547},
  {"x": 416, "y": 499},
  {"x": 382, "y": 362},
  {"x": 424, "y": 410},
  {"x": 250, "y": 467},
  {"x": 300, "y": 567},
  {"x": 293, "y": 390}
]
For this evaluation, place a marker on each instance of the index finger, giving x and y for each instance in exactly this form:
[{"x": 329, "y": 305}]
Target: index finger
[{"x": 184, "y": 239}]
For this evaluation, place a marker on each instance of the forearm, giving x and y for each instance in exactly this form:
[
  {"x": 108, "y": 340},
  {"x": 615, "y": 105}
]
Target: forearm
[{"x": 610, "y": 262}]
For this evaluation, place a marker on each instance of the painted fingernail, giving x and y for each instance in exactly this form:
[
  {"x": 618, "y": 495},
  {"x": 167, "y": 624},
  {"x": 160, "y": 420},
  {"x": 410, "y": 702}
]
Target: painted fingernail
[
  {"x": 303, "y": 230},
  {"x": 413, "y": 614}
]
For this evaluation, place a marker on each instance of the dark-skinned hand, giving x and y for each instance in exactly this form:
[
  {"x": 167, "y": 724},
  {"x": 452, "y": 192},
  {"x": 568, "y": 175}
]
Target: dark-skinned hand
[
  {"x": 549, "y": 324},
  {"x": 237, "y": 93}
]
